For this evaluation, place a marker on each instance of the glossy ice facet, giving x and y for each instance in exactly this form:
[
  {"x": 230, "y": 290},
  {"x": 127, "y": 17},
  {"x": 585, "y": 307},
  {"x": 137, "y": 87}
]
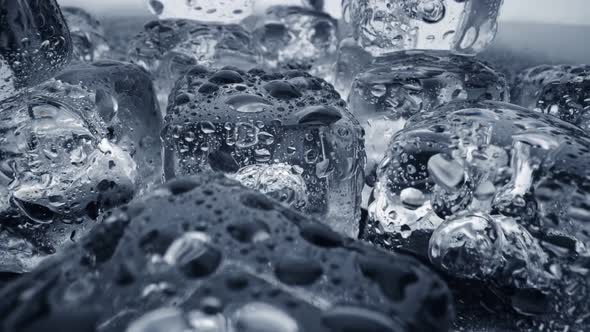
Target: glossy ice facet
[
  {"x": 34, "y": 43},
  {"x": 183, "y": 259},
  {"x": 383, "y": 26},
  {"x": 223, "y": 11},
  {"x": 89, "y": 43},
  {"x": 58, "y": 171},
  {"x": 168, "y": 48},
  {"x": 296, "y": 38},
  {"x": 125, "y": 100},
  {"x": 288, "y": 134},
  {"x": 562, "y": 91},
  {"x": 399, "y": 85},
  {"x": 479, "y": 246}
]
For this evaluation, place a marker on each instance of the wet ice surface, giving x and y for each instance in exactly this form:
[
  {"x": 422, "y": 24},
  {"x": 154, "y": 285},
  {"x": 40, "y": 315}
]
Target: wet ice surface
[
  {"x": 153, "y": 265},
  {"x": 34, "y": 44},
  {"x": 524, "y": 168},
  {"x": 296, "y": 38},
  {"x": 58, "y": 171},
  {"x": 229, "y": 120},
  {"x": 562, "y": 91},
  {"x": 396, "y": 86},
  {"x": 467, "y": 27},
  {"x": 89, "y": 43},
  {"x": 168, "y": 48},
  {"x": 226, "y": 11}
]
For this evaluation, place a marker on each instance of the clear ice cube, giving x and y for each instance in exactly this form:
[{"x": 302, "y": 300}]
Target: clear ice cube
[
  {"x": 126, "y": 102},
  {"x": 289, "y": 37},
  {"x": 206, "y": 254},
  {"x": 293, "y": 124},
  {"x": 562, "y": 91},
  {"x": 383, "y": 26},
  {"x": 89, "y": 43},
  {"x": 222, "y": 11},
  {"x": 58, "y": 171},
  {"x": 34, "y": 43},
  {"x": 168, "y": 48},
  {"x": 401, "y": 84}
]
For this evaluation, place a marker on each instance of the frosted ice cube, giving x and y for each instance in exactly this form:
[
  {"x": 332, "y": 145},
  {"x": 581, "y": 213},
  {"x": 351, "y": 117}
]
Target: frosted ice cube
[
  {"x": 223, "y": 11},
  {"x": 562, "y": 91},
  {"x": 296, "y": 38},
  {"x": 168, "y": 48},
  {"x": 206, "y": 254},
  {"x": 57, "y": 173},
  {"x": 383, "y": 26},
  {"x": 89, "y": 43},
  {"x": 229, "y": 120},
  {"x": 34, "y": 44},
  {"x": 401, "y": 84}
]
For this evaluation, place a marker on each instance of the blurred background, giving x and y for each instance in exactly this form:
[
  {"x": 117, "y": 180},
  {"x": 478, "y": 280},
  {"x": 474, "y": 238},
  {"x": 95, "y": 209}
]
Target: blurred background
[{"x": 572, "y": 12}]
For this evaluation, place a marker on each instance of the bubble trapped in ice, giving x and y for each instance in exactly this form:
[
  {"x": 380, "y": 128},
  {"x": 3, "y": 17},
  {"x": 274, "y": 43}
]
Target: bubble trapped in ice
[
  {"x": 382, "y": 26},
  {"x": 293, "y": 123}
]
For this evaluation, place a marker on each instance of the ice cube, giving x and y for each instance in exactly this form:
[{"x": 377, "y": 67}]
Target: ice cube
[
  {"x": 401, "y": 84},
  {"x": 206, "y": 254},
  {"x": 562, "y": 91},
  {"x": 125, "y": 100},
  {"x": 475, "y": 245},
  {"x": 57, "y": 173},
  {"x": 89, "y": 43},
  {"x": 34, "y": 44},
  {"x": 520, "y": 174},
  {"x": 222, "y": 11},
  {"x": 293, "y": 123},
  {"x": 168, "y": 48},
  {"x": 489, "y": 156},
  {"x": 289, "y": 37},
  {"x": 383, "y": 26}
]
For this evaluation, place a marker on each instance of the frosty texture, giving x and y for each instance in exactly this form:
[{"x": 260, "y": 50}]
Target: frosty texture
[
  {"x": 229, "y": 120},
  {"x": 205, "y": 252}
]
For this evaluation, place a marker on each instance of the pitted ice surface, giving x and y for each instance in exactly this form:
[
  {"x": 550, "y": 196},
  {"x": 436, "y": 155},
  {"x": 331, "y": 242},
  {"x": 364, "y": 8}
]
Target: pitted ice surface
[
  {"x": 58, "y": 171},
  {"x": 169, "y": 48},
  {"x": 229, "y": 120},
  {"x": 206, "y": 252}
]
